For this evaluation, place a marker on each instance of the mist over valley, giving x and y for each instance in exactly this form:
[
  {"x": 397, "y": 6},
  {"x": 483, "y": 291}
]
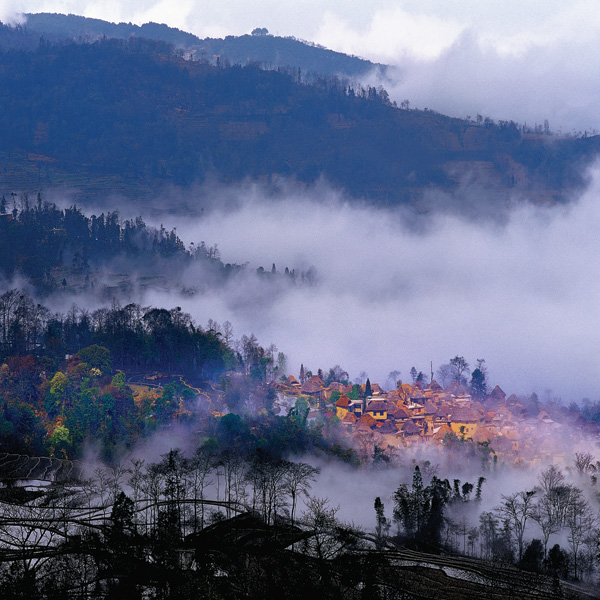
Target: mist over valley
[{"x": 270, "y": 326}]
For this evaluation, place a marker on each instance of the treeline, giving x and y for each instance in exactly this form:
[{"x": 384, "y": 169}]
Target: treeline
[
  {"x": 224, "y": 522},
  {"x": 138, "y": 338},
  {"x": 63, "y": 249},
  {"x": 58, "y": 387},
  {"x": 130, "y": 115},
  {"x": 443, "y": 517},
  {"x": 38, "y": 237}
]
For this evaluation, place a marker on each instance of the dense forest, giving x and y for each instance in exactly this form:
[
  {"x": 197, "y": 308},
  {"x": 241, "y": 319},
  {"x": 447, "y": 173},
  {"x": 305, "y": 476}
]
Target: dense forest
[
  {"x": 65, "y": 251},
  {"x": 132, "y": 116},
  {"x": 45, "y": 396},
  {"x": 44, "y": 244},
  {"x": 63, "y": 379}
]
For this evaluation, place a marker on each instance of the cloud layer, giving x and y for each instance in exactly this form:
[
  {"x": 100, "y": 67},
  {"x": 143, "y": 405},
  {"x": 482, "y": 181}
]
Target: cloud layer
[{"x": 395, "y": 291}]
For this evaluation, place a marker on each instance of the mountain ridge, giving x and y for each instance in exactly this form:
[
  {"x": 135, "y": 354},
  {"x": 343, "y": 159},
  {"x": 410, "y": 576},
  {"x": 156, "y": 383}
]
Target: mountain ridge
[
  {"x": 263, "y": 48},
  {"x": 131, "y": 116}
]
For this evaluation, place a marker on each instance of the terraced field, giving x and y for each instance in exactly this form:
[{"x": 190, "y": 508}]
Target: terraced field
[{"x": 17, "y": 467}]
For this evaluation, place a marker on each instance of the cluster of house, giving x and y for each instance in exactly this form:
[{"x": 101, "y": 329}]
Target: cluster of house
[{"x": 415, "y": 414}]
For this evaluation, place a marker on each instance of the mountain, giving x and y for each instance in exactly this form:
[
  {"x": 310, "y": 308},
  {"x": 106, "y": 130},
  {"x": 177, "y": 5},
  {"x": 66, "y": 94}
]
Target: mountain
[
  {"x": 131, "y": 116},
  {"x": 272, "y": 51}
]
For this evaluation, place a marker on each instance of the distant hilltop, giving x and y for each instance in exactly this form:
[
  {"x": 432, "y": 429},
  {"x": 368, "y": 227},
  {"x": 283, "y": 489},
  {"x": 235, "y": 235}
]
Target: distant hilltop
[{"x": 258, "y": 47}]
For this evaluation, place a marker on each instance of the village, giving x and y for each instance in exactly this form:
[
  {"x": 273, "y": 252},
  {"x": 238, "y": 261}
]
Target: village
[{"x": 510, "y": 430}]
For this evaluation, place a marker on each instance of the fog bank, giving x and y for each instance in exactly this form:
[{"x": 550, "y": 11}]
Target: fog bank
[{"x": 394, "y": 291}]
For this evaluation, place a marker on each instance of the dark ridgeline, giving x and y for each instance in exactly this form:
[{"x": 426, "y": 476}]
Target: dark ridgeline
[
  {"x": 131, "y": 116},
  {"x": 260, "y": 47}
]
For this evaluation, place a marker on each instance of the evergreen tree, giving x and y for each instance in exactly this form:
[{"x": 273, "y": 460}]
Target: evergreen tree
[
  {"x": 478, "y": 384},
  {"x": 413, "y": 374},
  {"x": 368, "y": 394},
  {"x": 383, "y": 525}
]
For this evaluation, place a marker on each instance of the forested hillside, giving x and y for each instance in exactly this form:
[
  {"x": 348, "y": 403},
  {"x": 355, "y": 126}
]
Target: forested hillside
[
  {"x": 271, "y": 51},
  {"x": 131, "y": 116},
  {"x": 54, "y": 248}
]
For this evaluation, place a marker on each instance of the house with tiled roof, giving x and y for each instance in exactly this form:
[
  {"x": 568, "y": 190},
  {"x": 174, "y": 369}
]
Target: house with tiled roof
[
  {"x": 497, "y": 394},
  {"x": 430, "y": 412},
  {"x": 463, "y": 399},
  {"x": 434, "y": 387},
  {"x": 483, "y": 434},
  {"x": 336, "y": 386},
  {"x": 417, "y": 396},
  {"x": 543, "y": 416},
  {"x": 390, "y": 433},
  {"x": 410, "y": 432},
  {"x": 367, "y": 422},
  {"x": 394, "y": 396},
  {"x": 440, "y": 432},
  {"x": 349, "y": 420},
  {"x": 356, "y": 406},
  {"x": 465, "y": 421},
  {"x": 442, "y": 414},
  {"x": 378, "y": 409},
  {"x": 315, "y": 387},
  {"x": 512, "y": 400},
  {"x": 417, "y": 410},
  {"x": 342, "y": 406},
  {"x": 398, "y": 413},
  {"x": 387, "y": 427}
]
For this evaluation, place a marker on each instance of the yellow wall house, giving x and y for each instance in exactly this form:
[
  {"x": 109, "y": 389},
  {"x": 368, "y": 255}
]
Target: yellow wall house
[
  {"x": 342, "y": 406},
  {"x": 465, "y": 421},
  {"x": 378, "y": 409}
]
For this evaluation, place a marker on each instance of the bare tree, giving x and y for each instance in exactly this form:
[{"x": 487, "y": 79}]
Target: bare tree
[
  {"x": 268, "y": 478},
  {"x": 297, "y": 483},
  {"x": 362, "y": 377},
  {"x": 517, "y": 508},
  {"x": 227, "y": 332},
  {"x": 584, "y": 463},
  {"x": 201, "y": 467},
  {"x": 327, "y": 537},
  {"x": 392, "y": 378},
  {"x": 234, "y": 476},
  {"x": 545, "y": 516},
  {"x": 551, "y": 478},
  {"x": 444, "y": 374},
  {"x": 459, "y": 366},
  {"x": 580, "y": 521}
]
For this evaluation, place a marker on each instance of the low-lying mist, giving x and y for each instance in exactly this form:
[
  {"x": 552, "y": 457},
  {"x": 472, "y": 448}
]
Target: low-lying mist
[
  {"x": 394, "y": 290},
  {"x": 516, "y": 285}
]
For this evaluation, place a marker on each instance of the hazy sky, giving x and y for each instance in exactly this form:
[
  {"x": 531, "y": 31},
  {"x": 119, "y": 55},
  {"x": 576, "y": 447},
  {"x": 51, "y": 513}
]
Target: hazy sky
[{"x": 526, "y": 60}]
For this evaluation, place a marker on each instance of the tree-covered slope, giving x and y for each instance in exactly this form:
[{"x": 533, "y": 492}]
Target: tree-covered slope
[
  {"x": 271, "y": 50},
  {"x": 130, "y": 116}
]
